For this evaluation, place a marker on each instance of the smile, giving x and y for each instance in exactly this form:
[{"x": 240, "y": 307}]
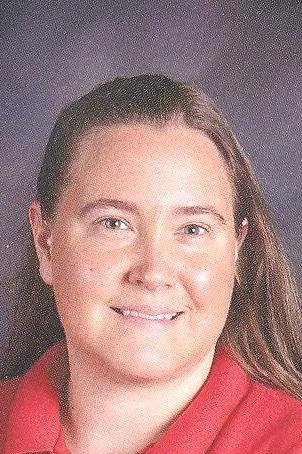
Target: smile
[{"x": 136, "y": 314}]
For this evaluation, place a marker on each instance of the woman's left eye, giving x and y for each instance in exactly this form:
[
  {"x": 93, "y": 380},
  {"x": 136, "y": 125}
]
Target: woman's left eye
[
  {"x": 195, "y": 229},
  {"x": 111, "y": 223}
]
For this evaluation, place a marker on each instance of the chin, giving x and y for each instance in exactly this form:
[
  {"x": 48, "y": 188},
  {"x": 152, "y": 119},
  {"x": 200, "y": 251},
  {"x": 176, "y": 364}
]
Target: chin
[{"x": 154, "y": 370}]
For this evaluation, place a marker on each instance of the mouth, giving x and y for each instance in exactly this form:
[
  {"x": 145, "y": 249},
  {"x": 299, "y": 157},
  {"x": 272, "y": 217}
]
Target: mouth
[{"x": 140, "y": 315}]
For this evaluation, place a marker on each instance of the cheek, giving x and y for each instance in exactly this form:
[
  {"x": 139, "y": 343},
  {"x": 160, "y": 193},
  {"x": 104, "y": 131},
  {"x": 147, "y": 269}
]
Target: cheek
[
  {"x": 209, "y": 281},
  {"x": 82, "y": 275}
]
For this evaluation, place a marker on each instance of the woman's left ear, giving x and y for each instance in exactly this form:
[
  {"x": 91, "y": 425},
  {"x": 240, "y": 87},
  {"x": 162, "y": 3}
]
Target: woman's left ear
[
  {"x": 241, "y": 236},
  {"x": 43, "y": 240}
]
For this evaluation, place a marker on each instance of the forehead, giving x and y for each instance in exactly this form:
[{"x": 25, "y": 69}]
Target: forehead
[{"x": 150, "y": 165}]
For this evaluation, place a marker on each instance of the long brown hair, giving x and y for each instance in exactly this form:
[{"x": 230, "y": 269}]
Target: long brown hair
[{"x": 263, "y": 328}]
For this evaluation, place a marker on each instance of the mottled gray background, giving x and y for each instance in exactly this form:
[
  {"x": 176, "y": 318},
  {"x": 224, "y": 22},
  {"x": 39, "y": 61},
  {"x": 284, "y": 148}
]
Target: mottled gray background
[{"x": 245, "y": 54}]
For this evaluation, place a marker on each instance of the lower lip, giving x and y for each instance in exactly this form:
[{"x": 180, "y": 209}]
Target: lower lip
[{"x": 147, "y": 323}]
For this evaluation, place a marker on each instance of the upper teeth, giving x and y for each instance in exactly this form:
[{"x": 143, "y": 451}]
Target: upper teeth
[{"x": 151, "y": 317}]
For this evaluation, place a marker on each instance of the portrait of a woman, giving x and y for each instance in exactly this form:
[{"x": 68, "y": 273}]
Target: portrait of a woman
[{"x": 157, "y": 313}]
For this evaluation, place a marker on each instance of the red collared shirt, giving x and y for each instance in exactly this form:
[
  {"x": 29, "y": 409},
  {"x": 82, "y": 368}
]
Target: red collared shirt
[{"x": 231, "y": 414}]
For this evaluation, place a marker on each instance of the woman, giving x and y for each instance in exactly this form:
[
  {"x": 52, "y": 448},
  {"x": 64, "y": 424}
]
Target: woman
[{"x": 160, "y": 291}]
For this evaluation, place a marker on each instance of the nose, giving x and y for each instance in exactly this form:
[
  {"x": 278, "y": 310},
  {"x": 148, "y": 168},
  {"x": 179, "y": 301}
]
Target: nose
[{"x": 154, "y": 270}]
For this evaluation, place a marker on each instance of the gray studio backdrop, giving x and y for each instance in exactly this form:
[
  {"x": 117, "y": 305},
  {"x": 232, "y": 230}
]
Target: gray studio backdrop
[{"x": 245, "y": 54}]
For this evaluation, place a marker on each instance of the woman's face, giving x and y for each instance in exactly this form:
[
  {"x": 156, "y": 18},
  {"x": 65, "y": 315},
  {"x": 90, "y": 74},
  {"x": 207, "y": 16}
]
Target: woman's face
[{"x": 119, "y": 241}]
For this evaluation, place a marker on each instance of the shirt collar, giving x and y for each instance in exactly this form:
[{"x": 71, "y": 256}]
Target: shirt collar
[
  {"x": 34, "y": 422},
  {"x": 201, "y": 421}
]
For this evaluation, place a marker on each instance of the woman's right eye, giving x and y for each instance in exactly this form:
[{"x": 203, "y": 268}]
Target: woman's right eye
[{"x": 111, "y": 223}]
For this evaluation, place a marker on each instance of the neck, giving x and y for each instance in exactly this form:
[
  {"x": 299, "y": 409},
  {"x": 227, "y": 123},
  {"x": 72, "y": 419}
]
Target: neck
[{"x": 101, "y": 409}]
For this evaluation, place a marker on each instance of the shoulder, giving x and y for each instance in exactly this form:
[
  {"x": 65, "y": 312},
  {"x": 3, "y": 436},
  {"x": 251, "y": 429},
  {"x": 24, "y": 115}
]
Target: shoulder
[
  {"x": 8, "y": 389},
  {"x": 31, "y": 392},
  {"x": 263, "y": 419},
  {"x": 276, "y": 402},
  {"x": 263, "y": 398},
  {"x": 266, "y": 402},
  {"x": 279, "y": 414},
  {"x": 274, "y": 415}
]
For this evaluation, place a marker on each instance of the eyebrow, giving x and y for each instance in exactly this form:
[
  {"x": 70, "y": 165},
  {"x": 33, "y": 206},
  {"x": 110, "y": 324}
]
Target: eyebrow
[{"x": 132, "y": 208}]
